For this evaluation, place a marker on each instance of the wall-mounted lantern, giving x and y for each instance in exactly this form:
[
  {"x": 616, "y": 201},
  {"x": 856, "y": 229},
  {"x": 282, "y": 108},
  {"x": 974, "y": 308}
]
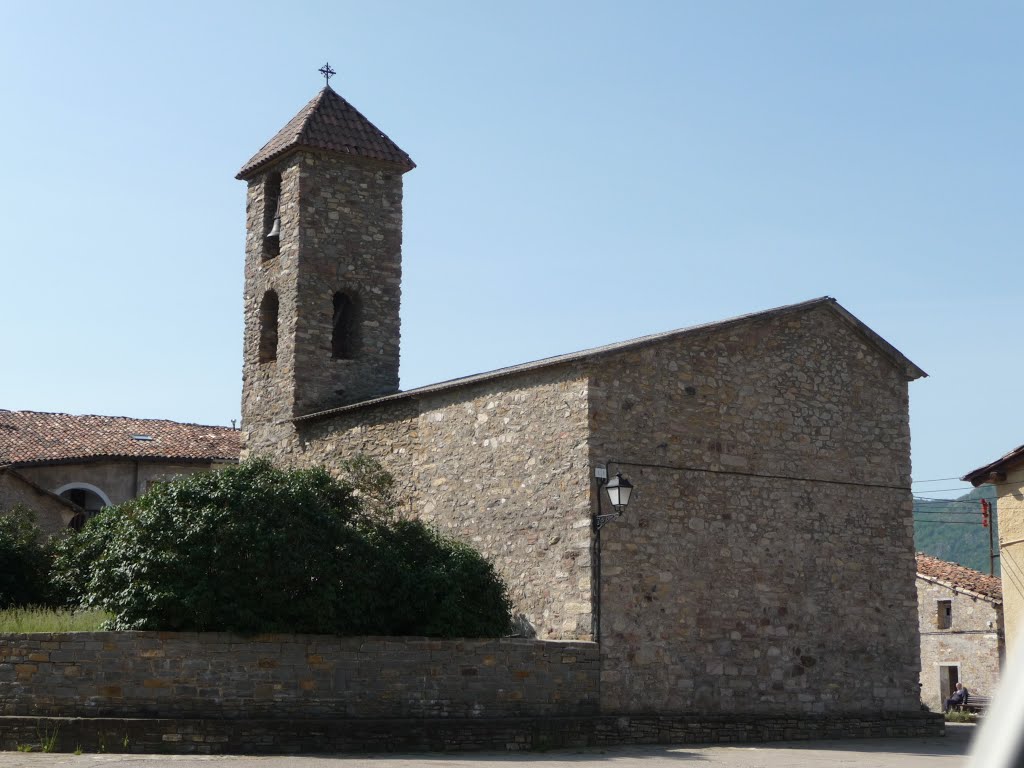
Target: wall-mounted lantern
[{"x": 618, "y": 490}]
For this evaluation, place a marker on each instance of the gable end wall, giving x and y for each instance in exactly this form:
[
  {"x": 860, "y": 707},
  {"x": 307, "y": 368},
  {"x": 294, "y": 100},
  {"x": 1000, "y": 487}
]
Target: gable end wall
[{"x": 724, "y": 592}]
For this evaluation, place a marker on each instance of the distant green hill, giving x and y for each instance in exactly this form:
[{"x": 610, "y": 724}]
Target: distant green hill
[{"x": 939, "y": 530}]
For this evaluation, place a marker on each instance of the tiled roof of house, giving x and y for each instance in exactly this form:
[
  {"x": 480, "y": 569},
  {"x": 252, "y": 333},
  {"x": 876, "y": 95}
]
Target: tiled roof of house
[
  {"x": 984, "y": 474},
  {"x": 960, "y": 577},
  {"x": 897, "y": 358},
  {"x": 329, "y": 122},
  {"x": 31, "y": 437}
]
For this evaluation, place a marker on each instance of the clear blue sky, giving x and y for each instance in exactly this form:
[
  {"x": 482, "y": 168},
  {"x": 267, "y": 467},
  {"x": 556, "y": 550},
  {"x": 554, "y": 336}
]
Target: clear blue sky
[{"x": 588, "y": 172}]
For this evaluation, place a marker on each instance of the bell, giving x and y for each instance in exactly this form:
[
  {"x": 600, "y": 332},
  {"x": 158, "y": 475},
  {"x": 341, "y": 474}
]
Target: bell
[{"x": 276, "y": 229}]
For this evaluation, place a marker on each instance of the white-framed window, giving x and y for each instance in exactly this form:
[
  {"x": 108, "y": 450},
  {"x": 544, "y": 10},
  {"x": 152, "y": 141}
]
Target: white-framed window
[{"x": 85, "y": 495}]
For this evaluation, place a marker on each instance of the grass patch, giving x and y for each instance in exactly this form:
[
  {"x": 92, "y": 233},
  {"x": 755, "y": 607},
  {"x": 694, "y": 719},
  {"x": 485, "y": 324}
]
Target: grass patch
[
  {"x": 49, "y": 620},
  {"x": 956, "y": 716},
  {"x": 48, "y": 739}
]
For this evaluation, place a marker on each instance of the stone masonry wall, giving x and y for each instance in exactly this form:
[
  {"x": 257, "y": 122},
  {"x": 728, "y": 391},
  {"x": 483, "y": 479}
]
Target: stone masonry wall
[
  {"x": 973, "y": 643},
  {"x": 192, "y": 675},
  {"x": 441, "y": 734},
  {"x": 502, "y": 466},
  {"x": 341, "y": 231},
  {"x": 268, "y": 396},
  {"x": 766, "y": 562},
  {"x": 350, "y": 241}
]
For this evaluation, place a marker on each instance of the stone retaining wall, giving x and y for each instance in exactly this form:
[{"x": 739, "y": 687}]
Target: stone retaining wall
[
  {"x": 440, "y": 734},
  {"x": 216, "y": 675}
]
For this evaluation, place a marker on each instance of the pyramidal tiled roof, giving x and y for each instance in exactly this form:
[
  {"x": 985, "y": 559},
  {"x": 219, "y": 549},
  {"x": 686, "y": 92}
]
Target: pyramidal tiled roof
[
  {"x": 959, "y": 576},
  {"x": 329, "y": 122},
  {"x": 32, "y": 437}
]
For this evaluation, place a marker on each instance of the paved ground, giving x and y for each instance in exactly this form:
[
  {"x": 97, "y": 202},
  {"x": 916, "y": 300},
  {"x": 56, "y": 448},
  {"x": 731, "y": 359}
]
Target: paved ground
[{"x": 876, "y": 753}]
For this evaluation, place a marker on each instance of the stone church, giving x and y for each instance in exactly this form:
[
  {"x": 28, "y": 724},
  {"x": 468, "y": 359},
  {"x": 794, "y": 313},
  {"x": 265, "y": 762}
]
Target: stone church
[{"x": 765, "y": 564}]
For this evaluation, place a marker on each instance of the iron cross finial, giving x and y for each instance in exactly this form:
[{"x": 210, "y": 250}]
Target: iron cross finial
[{"x": 327, "y": 72}]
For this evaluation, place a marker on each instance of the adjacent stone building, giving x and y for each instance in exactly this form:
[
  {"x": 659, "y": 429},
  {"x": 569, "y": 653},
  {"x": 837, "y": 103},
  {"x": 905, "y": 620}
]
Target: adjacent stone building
[
  {"x": 90, "y": 462},
  {"x": 765, "y": 565},
  {"x": 1006, "y": 474},
  {"x": 961, "y": 617},
  {"x": 53, "y": 513}
]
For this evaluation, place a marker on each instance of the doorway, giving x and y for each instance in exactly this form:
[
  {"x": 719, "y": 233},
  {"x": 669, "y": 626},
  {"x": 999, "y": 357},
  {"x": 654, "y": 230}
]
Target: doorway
[{"x": 949, "y": 676}]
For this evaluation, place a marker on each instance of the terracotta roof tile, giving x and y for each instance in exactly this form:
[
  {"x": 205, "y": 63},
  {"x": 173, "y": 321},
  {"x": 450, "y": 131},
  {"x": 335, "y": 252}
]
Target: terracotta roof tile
[
  {"x": 959, "y": 576},
  {"x": 331, "y": 123},
  {"x": 30, "y": 437}
]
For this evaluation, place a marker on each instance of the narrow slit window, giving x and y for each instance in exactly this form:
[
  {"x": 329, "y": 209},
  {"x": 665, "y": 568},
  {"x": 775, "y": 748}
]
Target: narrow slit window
[
  {"x": 268, "y": 327},
  {"x": 272, "y": 216},
  {"x": 944, "y": 614},
  {"x": 345, "y": 327}
]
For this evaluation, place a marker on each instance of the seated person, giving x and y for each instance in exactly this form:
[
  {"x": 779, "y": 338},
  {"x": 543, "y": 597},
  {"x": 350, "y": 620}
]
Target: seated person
[{"x": 958, "y": 699}]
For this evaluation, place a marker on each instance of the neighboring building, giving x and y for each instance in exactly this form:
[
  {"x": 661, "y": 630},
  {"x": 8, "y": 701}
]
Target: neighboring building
[
  {"x": 53, "y": 513},
  {"x": 961, "y": 616},
  {"x": 765, "y": 565},
  {"x": 95, "y": 461},
  {"x": 1006, "y": 474}
]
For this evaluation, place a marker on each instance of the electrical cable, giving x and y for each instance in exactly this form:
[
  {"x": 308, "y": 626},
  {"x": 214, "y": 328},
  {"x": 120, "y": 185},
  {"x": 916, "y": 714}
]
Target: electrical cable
[{"x": 765, "y": 476}]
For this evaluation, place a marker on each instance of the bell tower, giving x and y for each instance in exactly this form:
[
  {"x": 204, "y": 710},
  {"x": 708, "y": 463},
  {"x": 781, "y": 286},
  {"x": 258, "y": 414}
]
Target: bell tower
[{"x": 323, "y": 269}]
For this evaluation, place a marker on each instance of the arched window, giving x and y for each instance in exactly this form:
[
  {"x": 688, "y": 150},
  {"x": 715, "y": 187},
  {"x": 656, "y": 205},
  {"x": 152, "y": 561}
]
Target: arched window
[
  {"x": 272, "y": 215},
  {"x": 268, "y": 327},
  {"x": 90, "y": 498},
  {"x": 345, "y": 327}
]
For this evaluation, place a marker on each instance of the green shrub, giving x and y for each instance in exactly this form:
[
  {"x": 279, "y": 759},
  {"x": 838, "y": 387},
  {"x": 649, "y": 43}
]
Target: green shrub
[
  {"x": 24, "y": 560},
  {"x": 255, "y": 549},
  {"x": 409, "y": 580},
  {"x": 248, "y": 549},
  {"x": 74, "y": 554}
]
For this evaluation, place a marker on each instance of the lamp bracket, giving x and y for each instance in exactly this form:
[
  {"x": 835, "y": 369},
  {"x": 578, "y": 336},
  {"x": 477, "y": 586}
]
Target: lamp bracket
[{"x": 601, "y": 520}]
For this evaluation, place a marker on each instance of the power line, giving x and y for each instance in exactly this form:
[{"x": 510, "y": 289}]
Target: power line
[
  {"x": 946, "y": 522},
  {"x": 949, "y": 501},
  {"x": 760, "y": 475},
  {"x": 940, "y": 490},
  {"x": 963, "y": 512},
  {"x": 965, "y": 488},
  {"x": 943, "y": 512}
]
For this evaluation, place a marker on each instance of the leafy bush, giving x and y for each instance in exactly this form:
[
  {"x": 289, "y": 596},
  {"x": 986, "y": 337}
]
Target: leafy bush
[
  {"x": 373, "y": 485},
  {"x": 24, "y": 561},
  {"x": 246, "y": 549},
  {"x": 410, "y": 580},
  {"x": 74, "y": 554},
  {"x": 255, "y": 549}
]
